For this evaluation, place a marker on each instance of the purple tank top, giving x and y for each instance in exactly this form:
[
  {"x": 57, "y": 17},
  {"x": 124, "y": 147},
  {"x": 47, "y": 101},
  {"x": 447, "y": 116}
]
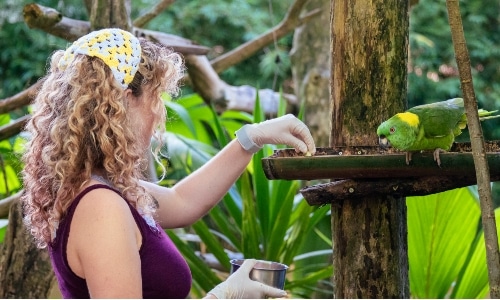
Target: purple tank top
[{"x": 165, "y": 273}]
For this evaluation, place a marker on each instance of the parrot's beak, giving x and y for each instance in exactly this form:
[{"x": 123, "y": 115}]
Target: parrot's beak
[{"x": 383, "y": 141}]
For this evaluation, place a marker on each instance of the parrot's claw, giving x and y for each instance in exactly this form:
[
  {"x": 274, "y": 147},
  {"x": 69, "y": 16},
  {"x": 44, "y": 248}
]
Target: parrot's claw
[
  {"x": 436, "y": 156},
  {"x": 408, "y": 157}
]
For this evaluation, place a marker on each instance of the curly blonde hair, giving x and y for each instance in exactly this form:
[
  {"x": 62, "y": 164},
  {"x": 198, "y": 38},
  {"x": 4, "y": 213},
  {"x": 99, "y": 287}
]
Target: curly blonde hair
[{"x": 80, "y": 124}]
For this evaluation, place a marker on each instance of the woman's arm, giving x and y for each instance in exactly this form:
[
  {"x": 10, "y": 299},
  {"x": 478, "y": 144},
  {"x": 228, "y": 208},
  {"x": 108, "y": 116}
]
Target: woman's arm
[
  {"x": 196, "y": 194},
  {"x": 103, "y": 246}
]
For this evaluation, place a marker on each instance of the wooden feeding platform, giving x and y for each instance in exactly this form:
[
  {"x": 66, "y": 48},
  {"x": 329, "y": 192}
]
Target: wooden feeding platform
[{"x": 370, "y": 170}]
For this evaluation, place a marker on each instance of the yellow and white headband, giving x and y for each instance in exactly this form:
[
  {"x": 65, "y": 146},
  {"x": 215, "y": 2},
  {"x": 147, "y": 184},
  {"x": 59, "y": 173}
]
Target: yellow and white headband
[{"x": 118, "y": 49}]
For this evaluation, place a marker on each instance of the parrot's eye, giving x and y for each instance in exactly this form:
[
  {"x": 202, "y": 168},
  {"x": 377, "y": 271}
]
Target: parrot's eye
[{"x": 392, "y": 130}]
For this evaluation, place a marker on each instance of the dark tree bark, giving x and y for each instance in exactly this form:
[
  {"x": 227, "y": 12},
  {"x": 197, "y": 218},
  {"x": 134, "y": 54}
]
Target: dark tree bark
[
  {"x": 311, "y": 71},
  {"x": 369, "y": 55},
  {"x": 25, "y": 271}
]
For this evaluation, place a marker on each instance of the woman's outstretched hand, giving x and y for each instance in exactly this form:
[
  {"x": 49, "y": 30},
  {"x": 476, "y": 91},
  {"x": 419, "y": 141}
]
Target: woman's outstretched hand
[{"x": 285, "y": 130}]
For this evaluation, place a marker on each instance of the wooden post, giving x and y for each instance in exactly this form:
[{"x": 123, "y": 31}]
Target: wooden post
[{"x": 369, "y": 65}]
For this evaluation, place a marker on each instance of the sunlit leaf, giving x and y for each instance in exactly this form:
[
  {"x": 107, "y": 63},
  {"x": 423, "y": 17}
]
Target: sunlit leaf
[{"x": 441, "y": 229}]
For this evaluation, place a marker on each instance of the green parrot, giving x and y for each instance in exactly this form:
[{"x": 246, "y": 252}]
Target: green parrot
[{"x": 427, "y": 127}]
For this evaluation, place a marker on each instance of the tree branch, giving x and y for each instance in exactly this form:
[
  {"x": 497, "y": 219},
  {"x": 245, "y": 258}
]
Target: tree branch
[
  {"x": 478, "y": 148},
  {"x": 152, "y": 13},
  {"x": 347, "y": 189},
  {"x": 18, "y": 100},
  {"x": 6, "y": 203},
  {"x": 206, "y": 82},
  {"x": 291, "y": 21},
  {"x": 52, "y": 22},
  {"x": 13, "y": 128},
  {"x": 177, "y": 43}
]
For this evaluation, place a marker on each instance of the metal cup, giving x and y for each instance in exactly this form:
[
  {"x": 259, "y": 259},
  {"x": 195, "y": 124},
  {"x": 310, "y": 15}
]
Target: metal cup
[{"x": 267, "y": 272}]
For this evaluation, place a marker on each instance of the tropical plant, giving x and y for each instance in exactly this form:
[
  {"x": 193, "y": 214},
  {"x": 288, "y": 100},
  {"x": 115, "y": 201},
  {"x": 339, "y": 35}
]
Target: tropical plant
[
  {"x": 446, "y": 245},
  {"x": 258, "y": 218},
  {"x": 10, "y": 165}
]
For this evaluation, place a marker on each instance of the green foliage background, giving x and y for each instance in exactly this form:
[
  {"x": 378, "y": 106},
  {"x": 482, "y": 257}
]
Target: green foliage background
[{"x": 432, "y": 71}]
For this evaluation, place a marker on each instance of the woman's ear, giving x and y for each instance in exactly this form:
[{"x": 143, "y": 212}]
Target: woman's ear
[
  {"x": 129, "y": 97},
  {"x": 128, "y": 93}
]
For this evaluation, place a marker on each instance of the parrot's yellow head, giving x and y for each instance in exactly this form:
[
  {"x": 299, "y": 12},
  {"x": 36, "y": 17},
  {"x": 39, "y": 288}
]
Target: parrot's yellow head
[{"x": 400, "y": 131}]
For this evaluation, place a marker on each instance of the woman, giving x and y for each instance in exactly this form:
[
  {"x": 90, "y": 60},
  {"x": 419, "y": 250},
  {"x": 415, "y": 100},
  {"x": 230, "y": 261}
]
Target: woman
[{"x": 85, "y": 195}]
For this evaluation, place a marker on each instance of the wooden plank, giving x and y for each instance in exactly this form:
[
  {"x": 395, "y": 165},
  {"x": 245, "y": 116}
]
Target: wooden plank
[
  {"x": 327, "y": 193},
  {"x": 372, "y": 163}
]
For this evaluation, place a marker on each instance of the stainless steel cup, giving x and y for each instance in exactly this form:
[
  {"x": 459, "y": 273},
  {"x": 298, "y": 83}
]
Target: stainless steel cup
[{"x": 267, "y": 272}]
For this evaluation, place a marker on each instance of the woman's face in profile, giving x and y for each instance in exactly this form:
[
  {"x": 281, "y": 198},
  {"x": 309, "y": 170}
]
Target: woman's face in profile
[{"x": 142, "y": 118}]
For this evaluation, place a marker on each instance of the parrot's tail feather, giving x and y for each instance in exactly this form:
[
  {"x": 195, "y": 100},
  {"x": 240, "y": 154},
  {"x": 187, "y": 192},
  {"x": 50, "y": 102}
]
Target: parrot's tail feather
[
  {"x": 485, "y": 115},
  {"x": 490, "y": 117}
]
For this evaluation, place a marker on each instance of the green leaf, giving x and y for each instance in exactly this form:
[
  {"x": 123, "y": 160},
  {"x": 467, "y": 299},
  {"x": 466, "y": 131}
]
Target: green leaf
[
  {"x": 221, "y": 137},
  {"x": 313, "y": 277},
  {"x": 226, "y": 225},
  {"x": 474, "y": 281},
  {"x": 282, "y": 205},
  {"x": 3, "y": 229},
  {"x": 441, "y": 229},
  {"x": 251, "y": 230},
  {"x": 184, "y": 116},
  {"x": 260, "y": 181},
  {"x": 213, "y": 245},
  {"x": 206, "y": 278}
]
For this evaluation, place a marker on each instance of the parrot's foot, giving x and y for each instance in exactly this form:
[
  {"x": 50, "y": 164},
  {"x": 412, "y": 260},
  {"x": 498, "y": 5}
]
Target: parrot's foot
[
  {"x": 408, "y": 157},
  {"x": 436, "y": 156}
]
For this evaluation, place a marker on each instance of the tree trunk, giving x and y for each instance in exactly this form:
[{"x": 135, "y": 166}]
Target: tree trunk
[
  {"x": 311, "y": 71},
  {"x": 369, "y": 54},
  {"x": 25, "y": 271}
]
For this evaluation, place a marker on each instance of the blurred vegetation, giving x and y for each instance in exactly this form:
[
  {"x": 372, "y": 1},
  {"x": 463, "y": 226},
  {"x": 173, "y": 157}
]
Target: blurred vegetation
[{"x": 433, "y": 75}]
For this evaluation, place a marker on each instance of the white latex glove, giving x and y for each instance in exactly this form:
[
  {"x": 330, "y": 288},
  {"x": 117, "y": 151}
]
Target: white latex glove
[
  {"x": 239, "y": 286},
  {"x": 285, "y": 130}
]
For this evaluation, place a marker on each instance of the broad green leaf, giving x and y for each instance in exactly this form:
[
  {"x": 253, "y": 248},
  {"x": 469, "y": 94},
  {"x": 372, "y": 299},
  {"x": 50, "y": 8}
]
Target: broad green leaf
[
  {"x": 297, "y": 232},
  {"x": 219, "y": 131},
  {"x": 9, "y": 182},
  {"x": 234, "y": 204},
  {"x": 4, "y": 119},
  {"x": 199, "y": 116},
  {"x": 441, "y": 229},
  {"x": 474, "y": 281},
  {"x": 226, "y": 225},
  {"x": 184, "y": 116},
  {"x": 260, "y": 182},
  {"x": 282, "y": 104},
  {"x": 280, "y": 219},
  {"x": 251, "y": 229}
]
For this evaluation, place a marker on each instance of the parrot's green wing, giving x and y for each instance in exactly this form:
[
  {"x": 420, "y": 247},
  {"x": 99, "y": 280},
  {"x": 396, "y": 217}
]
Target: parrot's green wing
[{"x": 438, "y": 119}]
